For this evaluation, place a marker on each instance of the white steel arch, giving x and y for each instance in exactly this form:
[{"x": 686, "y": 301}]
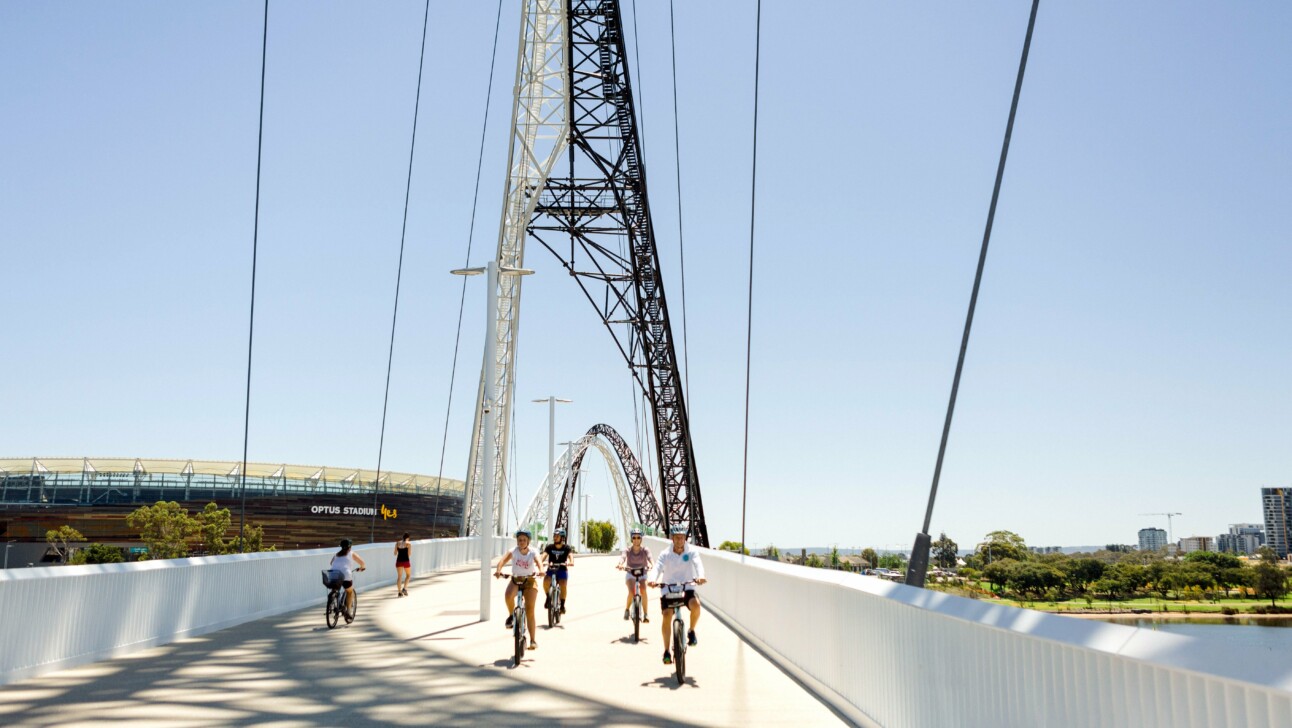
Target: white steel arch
[
  {"x": 539, "y": 132},
  {"x": 541, "y": 514}
]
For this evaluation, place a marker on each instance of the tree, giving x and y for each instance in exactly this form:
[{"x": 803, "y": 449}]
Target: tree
[
  {"x": 1270, "y": 581},
  {"x": 733, "y": 546},
  {"x": 834, "y": 557},
  {"x": 772, "y": 553},
  {"x": 212, "y": 524},
  {"x": 255, "y": 541},
  {"x": 896, "y": 562},
  {"x": 872, "y": 558},
  {"x": 998, "y": 573},
  {"x": 1003, "y": 545},
  {"x": 1081, "y": 572},
  {"x": 601, "y": 535},
  {"x": 97, "y": 553},
  {"x": 945, "y": 552},
  {"x": 165, "y": 528},
  {"x": 814, "y": 561},
  {"x": 1032, "y": 579},
  {"x": 61, "y": 540}
]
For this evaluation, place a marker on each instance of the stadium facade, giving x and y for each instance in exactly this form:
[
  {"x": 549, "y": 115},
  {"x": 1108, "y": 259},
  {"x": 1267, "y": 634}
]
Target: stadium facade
[{"x": 298, "y": 506}]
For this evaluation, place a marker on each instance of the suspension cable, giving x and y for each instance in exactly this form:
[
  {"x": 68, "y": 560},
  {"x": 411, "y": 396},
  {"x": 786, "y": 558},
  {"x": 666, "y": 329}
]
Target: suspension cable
[
  {"x": 681, "y": 247},
  {"x": 749, "y": 314},
  {"x": 399, "y": 273},
  {"x": 920, "y": 565},
  {"x": 457, "y": 339},
  {"x": 251, "y": 325}
]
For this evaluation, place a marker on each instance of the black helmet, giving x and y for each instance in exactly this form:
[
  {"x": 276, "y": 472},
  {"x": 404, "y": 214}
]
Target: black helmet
[{"x": 345, "y": 543}]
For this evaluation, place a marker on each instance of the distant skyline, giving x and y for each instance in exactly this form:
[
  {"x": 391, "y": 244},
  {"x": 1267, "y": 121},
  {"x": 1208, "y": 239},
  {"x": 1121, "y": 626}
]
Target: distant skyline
[{"x": 1131, "y": 344}]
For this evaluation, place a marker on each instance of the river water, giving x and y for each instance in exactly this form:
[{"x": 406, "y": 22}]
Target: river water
[{"x": 1263, "y": 634}]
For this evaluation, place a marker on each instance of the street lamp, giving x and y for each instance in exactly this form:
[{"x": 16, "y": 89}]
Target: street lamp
[
  {"x": 551, "y": 458},
  {"x": 487, "y": 527},
  {"x": 583, "y": 508}
]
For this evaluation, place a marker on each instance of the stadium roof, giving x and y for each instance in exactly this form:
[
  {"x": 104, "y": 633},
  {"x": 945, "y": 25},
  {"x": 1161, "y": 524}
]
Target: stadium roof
[{"x": 148, "y": 466}]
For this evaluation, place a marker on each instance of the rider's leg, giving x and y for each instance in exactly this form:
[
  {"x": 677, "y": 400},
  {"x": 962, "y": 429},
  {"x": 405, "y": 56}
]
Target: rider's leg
[
  {"x": 563, "y": 580},
  {"x": 645, "y": 609},
  {"x": 694, "y": 606},
  {"x": 666, "y": 626},
  {"x": 349, "y": 600},
  {"x": 547, "y": 589},
  {"x": 631, "y": 583},
  {"x": 510, "y": 596},
  {"x": 531, "y": 596}
]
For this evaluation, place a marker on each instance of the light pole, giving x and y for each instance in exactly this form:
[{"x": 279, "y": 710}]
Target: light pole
[
  {"x": 583, "y": 507},
  {"x": 487, "y": 526},
  {"x": 551, "y": 457},
  {"x": 8, "y": 545}
]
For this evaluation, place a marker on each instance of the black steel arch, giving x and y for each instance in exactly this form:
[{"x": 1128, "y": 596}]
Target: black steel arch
[
  {"x": 594, "y": 215},
  {"x": 648, "y": 512}
]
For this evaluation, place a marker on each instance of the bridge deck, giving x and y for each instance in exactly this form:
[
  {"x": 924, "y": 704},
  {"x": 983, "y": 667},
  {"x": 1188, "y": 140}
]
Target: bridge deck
[{"x": 426, "y": 660}]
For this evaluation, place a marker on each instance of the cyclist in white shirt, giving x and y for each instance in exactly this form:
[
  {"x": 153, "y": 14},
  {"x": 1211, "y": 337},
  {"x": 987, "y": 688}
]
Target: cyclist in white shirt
[
  {"x": 526, "y": 563},
  {"x": 678, "y": 565},
  {"x": 347, "y": 563}
]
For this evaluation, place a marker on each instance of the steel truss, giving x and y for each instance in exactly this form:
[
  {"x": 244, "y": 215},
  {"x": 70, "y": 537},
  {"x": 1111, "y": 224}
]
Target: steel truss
[
  {"x": 539, "y": 130},
  {"x": 594, "y": 215},
  {"x": 630, "y": 485}
]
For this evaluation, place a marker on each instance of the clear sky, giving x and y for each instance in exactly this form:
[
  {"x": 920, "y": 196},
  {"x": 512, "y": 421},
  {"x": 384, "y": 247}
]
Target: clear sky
[{"x": 1131, "y": 347}]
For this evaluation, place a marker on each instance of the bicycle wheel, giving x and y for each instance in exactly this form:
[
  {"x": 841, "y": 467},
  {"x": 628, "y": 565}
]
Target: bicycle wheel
[
  {"x": 679, "y": 651},
  {"x": 518, "y": 633},
  {"x": 354, "y": 608},
  {"x": 637, "y": 619},
  {"x": 332, "y": 610},
  {"x": 553, "y": 608}
]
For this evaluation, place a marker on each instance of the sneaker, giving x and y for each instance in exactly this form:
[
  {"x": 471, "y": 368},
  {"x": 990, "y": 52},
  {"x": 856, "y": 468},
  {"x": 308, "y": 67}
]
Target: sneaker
[
  {"x": 668, "y": 658},
  {"x": 690, "y": 638},
  {"x": 562, "y": 609},
  {"x": 510, "y": 621},
  {"x": 533, "y": 645},
  {"x": 646, "y": 619},
  {"x": 626, "y": 617},
  {"x": 348, "y": 620},
  {"x": 547, "y": 603}
]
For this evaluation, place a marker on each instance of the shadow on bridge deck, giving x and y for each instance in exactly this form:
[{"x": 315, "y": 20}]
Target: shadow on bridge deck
[{"x": 425, "y": 660}]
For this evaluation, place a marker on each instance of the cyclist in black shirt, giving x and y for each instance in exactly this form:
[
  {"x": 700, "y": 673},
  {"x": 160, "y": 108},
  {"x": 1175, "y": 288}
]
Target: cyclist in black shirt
[{"x": 559, "y": 557}]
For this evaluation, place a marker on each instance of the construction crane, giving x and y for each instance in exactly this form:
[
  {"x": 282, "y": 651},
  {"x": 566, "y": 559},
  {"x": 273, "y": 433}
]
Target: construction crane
[{"x": 1170, "y": 531}]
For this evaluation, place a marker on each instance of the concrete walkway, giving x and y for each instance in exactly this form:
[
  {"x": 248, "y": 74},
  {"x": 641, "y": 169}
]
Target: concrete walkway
[{"x": 425, "y": 660}]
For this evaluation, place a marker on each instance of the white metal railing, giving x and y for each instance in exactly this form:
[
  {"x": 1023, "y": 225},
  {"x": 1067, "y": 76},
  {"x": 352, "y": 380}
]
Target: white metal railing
[
  {"x": 57, "y": 617},
  {"x": 892, "y": 655}
]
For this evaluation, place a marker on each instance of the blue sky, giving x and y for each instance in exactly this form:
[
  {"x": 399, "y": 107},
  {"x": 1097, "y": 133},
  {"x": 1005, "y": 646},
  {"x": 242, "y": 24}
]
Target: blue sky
[{"x": 1131, "y": 344}]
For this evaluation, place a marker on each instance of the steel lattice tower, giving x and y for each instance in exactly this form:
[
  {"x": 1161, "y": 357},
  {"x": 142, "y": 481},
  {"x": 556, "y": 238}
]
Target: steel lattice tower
[{"x": 592, "y": 211}]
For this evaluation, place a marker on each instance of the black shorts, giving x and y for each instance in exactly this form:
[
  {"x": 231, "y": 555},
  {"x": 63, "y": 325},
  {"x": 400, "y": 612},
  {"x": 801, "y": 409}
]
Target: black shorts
[
  {"x": 347, "y": 584},
  {"x": 668, "y": 601}
]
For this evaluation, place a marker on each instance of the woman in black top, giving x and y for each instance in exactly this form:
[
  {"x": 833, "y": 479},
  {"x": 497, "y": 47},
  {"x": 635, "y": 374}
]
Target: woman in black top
[{"x": 403, "y": 567}]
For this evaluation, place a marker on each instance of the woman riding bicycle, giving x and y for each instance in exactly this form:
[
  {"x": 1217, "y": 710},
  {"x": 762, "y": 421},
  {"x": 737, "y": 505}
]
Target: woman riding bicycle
[
  {"x": 347, "y": 563},
  {"x": 525, "y": 565},
  {"x": 559, "y": 557},
  {"x": 678, "y": 565},
  {"x": 636, "y": 560}
]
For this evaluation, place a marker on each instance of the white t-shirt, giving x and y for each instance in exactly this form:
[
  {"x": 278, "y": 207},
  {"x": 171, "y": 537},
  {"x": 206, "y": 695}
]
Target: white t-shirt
[
  {"x": 524, "y": 564},
  {"x": 675, "y": 568},
  {"x": 345, "y": 565}
]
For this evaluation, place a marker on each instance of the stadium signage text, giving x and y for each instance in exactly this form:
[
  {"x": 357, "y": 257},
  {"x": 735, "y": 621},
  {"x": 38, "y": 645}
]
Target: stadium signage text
[{"x": 384, "y": 512}]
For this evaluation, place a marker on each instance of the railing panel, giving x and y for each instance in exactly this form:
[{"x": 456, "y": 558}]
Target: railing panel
[
  {"x": 61, "y": 616},
  {"x": 888, "y": 654}
]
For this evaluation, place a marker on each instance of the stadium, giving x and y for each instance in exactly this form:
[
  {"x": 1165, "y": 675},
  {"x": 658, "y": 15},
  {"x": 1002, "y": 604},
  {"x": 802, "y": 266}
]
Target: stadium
[{"x": 299, "y": 506}]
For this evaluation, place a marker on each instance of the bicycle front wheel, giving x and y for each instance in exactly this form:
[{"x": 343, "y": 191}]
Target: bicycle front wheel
[
  {"x": 679, "y": 652},
  {"x": 518, "y": 634}
]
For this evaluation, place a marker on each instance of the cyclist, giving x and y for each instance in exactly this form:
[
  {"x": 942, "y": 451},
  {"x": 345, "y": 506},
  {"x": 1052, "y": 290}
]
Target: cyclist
[
  {"x": 559, "y": 557},
  {"x": 636, "y": 556},
  {"x": 678, "y": 565},
  {"x": 347, "y": 563},
  {"x": 525, "y": 563}
]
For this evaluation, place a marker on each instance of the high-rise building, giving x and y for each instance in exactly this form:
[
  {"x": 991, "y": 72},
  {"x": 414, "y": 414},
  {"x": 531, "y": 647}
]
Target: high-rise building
[
  {"x": 1197, "y": 543},
  {"x": 1276, "y": 503},
  {"x": 1243, "y": 538},
  {"x": 1152, "y": 539}
]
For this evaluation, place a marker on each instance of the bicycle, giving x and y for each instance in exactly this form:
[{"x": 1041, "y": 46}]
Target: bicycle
[
  {"x": 554, "y": 602},
  {"x": 636, "y": 610},
  {"x": 518, "y": 617},
  {"x": 336, "y": 598},
  {"x": 679, "y": 627}
]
